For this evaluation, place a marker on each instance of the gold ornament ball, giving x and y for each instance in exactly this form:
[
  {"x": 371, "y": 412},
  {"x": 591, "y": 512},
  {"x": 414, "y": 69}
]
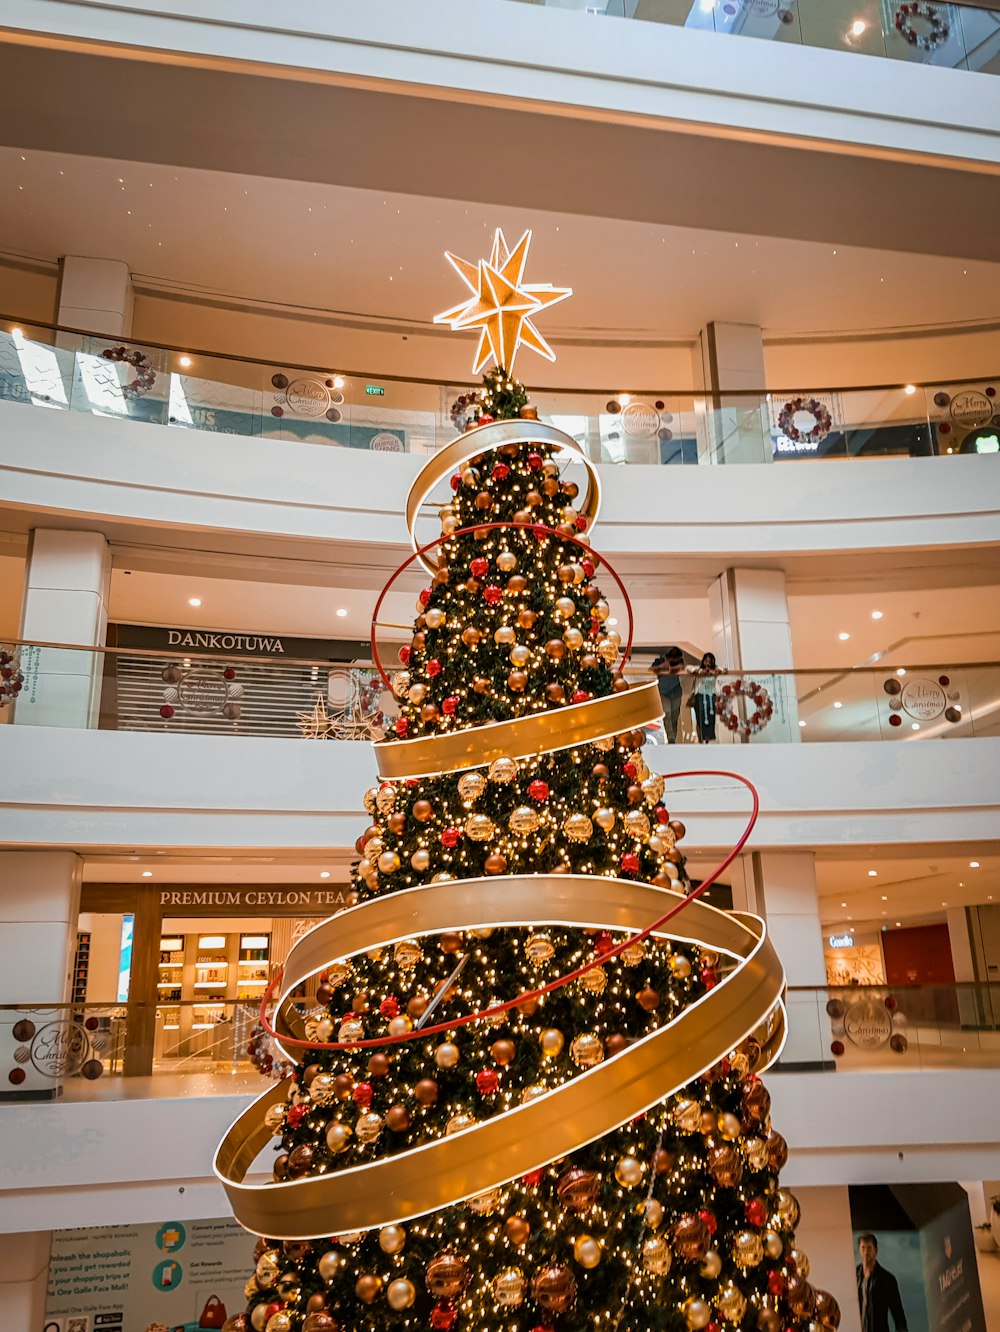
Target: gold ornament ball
[
  {"x": 388, "y": 862},
  {"x": 506, "y": 561},
  {"x": 774, "y": 1245},
  {"x": 479, "y": 827},
  {"x": 633, "y": 954},
  {"x": 594, "y": 981},
  {"x": 407, "y": 953},
  {"x": 517, "y": 1230},
  {"x": 337, "y": 1137},
  {"x": 369, "y": 1127},
  {"x": 653, "y": 1214},
  {"x": 629, "y": 1172},
  {"x": 524, "y": 820},
  {"x": 539, "y": 948},
  {"x": 267, "y": 1269},
  {"x": 801, "y": 1262},
  {"x": 731, "y": 1303},
  {"x": 485, "y": 1204},
  {"x": 748, "y": 1248},
  {"x": 386, "y": 798},
  {"x": 755, "y": 1150},
  {"x": 552, "y": 1041},
  {"x": 322, "y": 1089},
  {"x": 435, "y": 617},
  {"x": 578, "y": 827},
  {"x": 607, "y": 651},
  {"x": 637, "y": 824},
  {"x": 788, "y": 1209},
  {"x": 604, "y": 818},
  {"x": 418, "y": 692},
  {"x": 458, "y": 1124},
  {"x": 447, "y": 1275},
  {"x": 289, "y": 1287},
  {"x": 352, "y": 1030},
  {"x": 697, "y": 1312},
  {"x": 533, "y": 1092},
  {"x": 653, "y": 787},
  {"x": 573, "y": 639},
  {"x": 367, "y": 1287},
  {"x": 279, "y": 1322},
  {"x": 258, "y": 1319},
  {"x": 420, "y": 860},
  {"x": 520, "y": 655},
  {"x": 680, "y": 966},
  {"x": 250, "y": 1289},
  {"x": 471, "y": 785},
  {"x": 400, "y": 684},
  {"x": 400, "y": 1025},
  {"x": 503, "y": 770},
  {"x": 275, "y": 1118},
  {"x": 504, "y": 636},
  {"x": 587, "y": 1251},
  {"x": 446, "y": 1055},
  {"x": 401, "y": 1294},
  {"x": 711, "y": 1265},
  {"x": 656, "y": 1255},
  {"x": 508, "y": 1288},
  {"x": 554, "y": 1288},
  {"x": 565, "y": 606},
  {"x": 587, "y": 1049},
  {"x": 330, "y": 1264},
  {"x": 686, "y": 1115},
  {"x": 729, "y": 1126}
]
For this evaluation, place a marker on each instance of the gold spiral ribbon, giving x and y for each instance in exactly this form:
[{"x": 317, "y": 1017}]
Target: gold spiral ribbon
[
  {"x": 448, "y": 1170},
  {"x": 482, "y": 440},
  {"x": 520, "y": 737}
]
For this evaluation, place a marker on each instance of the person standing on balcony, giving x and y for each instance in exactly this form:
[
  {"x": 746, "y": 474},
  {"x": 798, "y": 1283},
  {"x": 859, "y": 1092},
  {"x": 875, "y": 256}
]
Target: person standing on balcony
[
  {"x": 703, "y": 697},
  {"x": 878, "y": 1291},
  {"x": 668, "y": 667}
]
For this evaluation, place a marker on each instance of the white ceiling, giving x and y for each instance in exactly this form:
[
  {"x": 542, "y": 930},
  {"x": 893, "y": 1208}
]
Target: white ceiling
[{"x": 369, "y": 253}]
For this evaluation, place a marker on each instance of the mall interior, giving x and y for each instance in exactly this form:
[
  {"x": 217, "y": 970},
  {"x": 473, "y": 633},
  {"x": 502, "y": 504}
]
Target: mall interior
[{"x": 780, "y": 365}]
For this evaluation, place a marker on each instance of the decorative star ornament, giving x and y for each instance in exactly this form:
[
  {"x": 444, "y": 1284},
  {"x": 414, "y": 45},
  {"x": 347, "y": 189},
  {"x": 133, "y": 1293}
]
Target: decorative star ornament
[
  {"x": 502, "y": 306},
  {"x": 318, "y": 724}
]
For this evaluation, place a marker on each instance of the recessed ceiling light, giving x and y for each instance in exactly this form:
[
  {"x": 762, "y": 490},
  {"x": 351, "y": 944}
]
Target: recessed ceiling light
[
  {"x": 802, "y": 723},
  {"x": 884, "y": 899},
  {"x": 17, "y": 333},
  {"x": 194, "y": 601},
  {"x": 910, "y": 390},
  {"x": 338, "y": 381},
  {"x": 843, "y": 637},
  {"x": 944, "y": 903},
  {"x": 877, "y": 615},
  {"x": 838, "y": 705},
  {"x": 857, "y": 28},
  {"x": 341, "y": 612},
  {"x": 843, "y": 904},
  {"x": 185, "y": 361},
  {"x": 324, "y": 874},
  {"x": 147, "y": 874},
  {"x": 914, "y": 726},
  {"x": 897, "y": 924},
  {"x": 973, "y": 864},
  {"x": 612, "y": 621},
  {"x": 901, "y": 670},
  {"x": 873, "y": 874}
]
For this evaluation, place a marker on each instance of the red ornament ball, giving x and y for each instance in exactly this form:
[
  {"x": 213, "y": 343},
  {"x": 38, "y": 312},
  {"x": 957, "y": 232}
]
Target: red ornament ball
[
  {"x": 425, "y": 596},
  {"x": 433, "y": 667},
  {"x": 500, "y": 471},
  {"x": 756, "y": 1212},
  {"x": 404, "y": 655},
  {"x": 166, "y": 712},
  {"x": 487, "y": 1082},
  {"x": 492, "y": 594},
  {"x": 776, "y": 1284},
  {"x": 710, "y": 1219},
  {"x": 629, "y": 863},
  {"x": 449, "y": 705},
  {"x": 837, "y": 1048},
  {"x": 450, "y": 837},
  {"x": 485, "y": 418},
  {"x": 479, "y": 567},
  {"x": 539, "y": 790},
  {"x": 363, "y": 1094},
  {"x": 456, "y": 480},
  {"x": 389, "y": 1007},
  {"x": 444, "y": 1313},
  {"x": 580, "y": 696},
  {"x": 295, "y": 1116},
  {"x": 534, "y": 462},
  {"x": 581, "y": 523},
  {"x": 533, "y": 1178},
  {"x": 588, "y": 568},
  {"x": 895, "y": 720},
  {"x": 402, "y": 725},
  {"x": 629, "y": 769},
  {"x": 662, "y": 814},
  {"x": 229, "y": 673}
]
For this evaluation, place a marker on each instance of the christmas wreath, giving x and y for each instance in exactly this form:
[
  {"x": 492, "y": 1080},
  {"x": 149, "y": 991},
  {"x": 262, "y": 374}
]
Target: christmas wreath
[
  {"x": 145, "y": 374},
  {"x": 11, "y": 677},
  {"x": 923, "y": 41},
  {"x": 725, "y": 706},
  {"x": 820, "y": 413}
]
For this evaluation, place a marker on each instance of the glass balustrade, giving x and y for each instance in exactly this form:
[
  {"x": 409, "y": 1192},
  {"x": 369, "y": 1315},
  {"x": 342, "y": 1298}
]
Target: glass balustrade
[
  {"x": 84, "y": 1051},
  {"x": 946, "y": 35},
  {"x": 287, "y": 405},
  {"x": 131, "y": 689}
]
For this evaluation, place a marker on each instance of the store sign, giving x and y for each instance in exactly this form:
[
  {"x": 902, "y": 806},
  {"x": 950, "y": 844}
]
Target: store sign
[
  {"x": 193, "y": 900},
  {"x": 841, "y": 941},
  {"x": 971, "y": 408},
  {"x": 782, "y": 444},
  {"x": 386, "y": 442},
  {"x": 252, "y": 645}
]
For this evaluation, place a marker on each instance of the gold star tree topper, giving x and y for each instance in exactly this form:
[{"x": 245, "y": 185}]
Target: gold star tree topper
[{"x": 502, "y": 305}]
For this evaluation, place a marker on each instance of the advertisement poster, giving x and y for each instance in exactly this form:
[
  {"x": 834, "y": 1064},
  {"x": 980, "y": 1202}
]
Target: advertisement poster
[
  {"x": 925, "y": 1276},
  {"x": 176, "y": 1276}
]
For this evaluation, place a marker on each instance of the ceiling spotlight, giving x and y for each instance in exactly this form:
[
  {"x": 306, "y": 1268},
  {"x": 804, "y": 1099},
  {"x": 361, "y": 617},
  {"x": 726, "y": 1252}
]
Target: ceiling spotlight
[
  {"x": 802, "y": 723},
  {"x": 838, "y": 705},
  {"x": 843, "y": 904},
  {"x": 873, "y": 874},
  {"x": 898, "y": 924},
  {"x": 857, "y": 28},
  {"x": 194, "y": 601},
  {"x": 17, "y": 333},
  {"x": 901, "y": 670},
  {"x": 876, "y": 615},
  {"x": 884, "y": 899},
  {"x": 147, "y": 874},
  {"x": 843, "y": 637},
  {"x": 914, "y": 726},
  {"x": 910, "y": 390},
  {"x": 185, "y": 361},
  {"x": 341, "y": 612},
  {"x": 324, "y": 874},
  {"x": 973, "y": 864}
]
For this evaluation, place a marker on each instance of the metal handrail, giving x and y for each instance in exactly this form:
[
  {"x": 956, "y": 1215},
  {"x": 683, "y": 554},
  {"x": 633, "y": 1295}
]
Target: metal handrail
[{"x": 686, "y": 392}]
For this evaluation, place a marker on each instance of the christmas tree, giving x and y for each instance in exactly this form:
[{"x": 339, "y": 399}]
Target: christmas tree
[{"x": 513, "y": 1106}]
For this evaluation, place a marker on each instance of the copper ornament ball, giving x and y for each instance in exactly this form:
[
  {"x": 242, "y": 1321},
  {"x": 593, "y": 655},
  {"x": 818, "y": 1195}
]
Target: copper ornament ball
[
  {"x": 578, "y": 1190},
  {"x": 447, "y": 1275},
  {"x": 426, "y": 1091},
  {"x": 648, "y": 999},
  {"x": 367, "y": 1287},
  {"x": 516, "y": 1229},
  {"x": 726, "y": 1167},
  {"x": 691, "y": 1238},
  {"x": 397, "y": 1118},
  {"x": 423, "y": 810},
  {"x": 503, "y": 1052},
  {"x": 554, "y": 1288}
]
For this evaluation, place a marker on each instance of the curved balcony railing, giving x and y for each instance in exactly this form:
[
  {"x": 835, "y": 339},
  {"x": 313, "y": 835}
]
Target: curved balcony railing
[
  {"x": 64, "y": 369},
  {"x": 949, "y": 36},
  {"x": 138, "y": 689},
  {"x": 86, "y": 1050}
]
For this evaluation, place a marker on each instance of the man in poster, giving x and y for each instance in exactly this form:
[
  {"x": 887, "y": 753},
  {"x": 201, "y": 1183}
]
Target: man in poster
[{"x": 878, "y": 1291}]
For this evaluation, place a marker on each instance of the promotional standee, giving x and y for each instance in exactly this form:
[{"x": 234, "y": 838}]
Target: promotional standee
[
  {"x": 916, "y": 1257},
  {"x": 527, "y": 1093},
  {"x": 175, "y": 1276}
]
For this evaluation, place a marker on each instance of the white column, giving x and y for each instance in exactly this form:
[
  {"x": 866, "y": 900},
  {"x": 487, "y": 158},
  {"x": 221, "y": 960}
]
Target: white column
[
  {"x": 781, "y": 887},
  {"x": 39, "y": 908},
  {"x": 732, "y": 426},
  {"x": 825, "y": 1235},
  {"x": 96, "y": 295},
  {"x": 65, "y": 601},
  {"x": 24, "y": 1280},
  {"x": 750, "y": 633}
]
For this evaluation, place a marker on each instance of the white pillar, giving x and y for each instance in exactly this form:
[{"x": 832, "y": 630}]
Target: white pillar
[
  {"x": 825, "y": 1235},
  {"x": 96, "y": 295},
  {"x": 732, "y": 426},
  {"x": 67, "y": 585},
  {"x": 781, "y": 887},
  {"x": 750, "y": 633},
  {"x": 39, "y": 908},
  {"x": 24, "y": 1280}
]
